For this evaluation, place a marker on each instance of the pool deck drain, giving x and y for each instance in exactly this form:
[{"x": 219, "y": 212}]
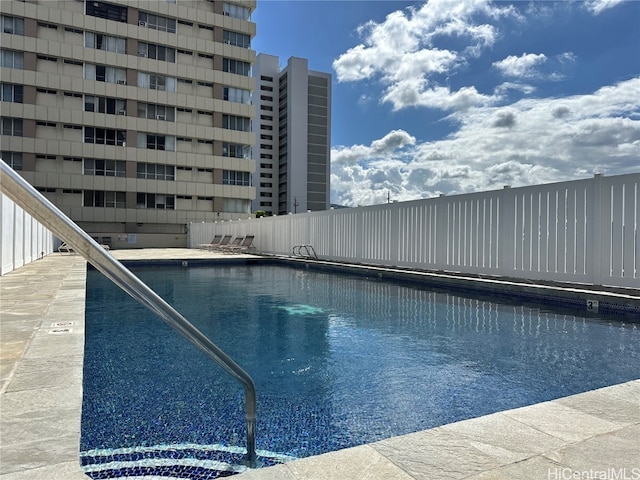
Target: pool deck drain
[{"x": 591, "y": 435}]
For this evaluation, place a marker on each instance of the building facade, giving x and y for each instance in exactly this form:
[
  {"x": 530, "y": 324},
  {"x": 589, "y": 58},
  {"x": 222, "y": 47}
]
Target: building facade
[
  {"x": 133, "y": 117},
  {"x": 293, "y": 136}
]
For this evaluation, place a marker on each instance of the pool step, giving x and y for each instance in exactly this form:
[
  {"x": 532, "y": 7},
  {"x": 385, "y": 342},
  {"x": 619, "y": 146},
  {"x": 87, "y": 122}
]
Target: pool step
[{"x": 179, "y": 461}]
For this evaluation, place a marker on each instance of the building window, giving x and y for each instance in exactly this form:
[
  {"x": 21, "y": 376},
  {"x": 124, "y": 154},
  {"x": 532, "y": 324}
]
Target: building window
[
  {"x": 236, "y": 150},
  {"x": 236, "y": 205},
  {"x": 156, "y": 142},
  {"x": 105, "y": 42},
  {"x": 157, "y": 22},
  {"x": 237, "y": 95},
  {"x": 102, "y": 73},
  {"x": 51, "y": 26},
  {"x": 156, "y": 112},
  {"x": 104, "y": 168},
  {"x": 156, "y": 82},
  {"x": 155, "y": 200},
  {"x": 13, "y": 159},
  {"x": 97, "y": 198},
  {"x": 108, "y": 11},
  {"x": 154, "y": 171},
  {"x": 236, "y": 66},
  {"x": 11, "y": 59},
  {"x": 237, "y": 39},
  {"x": 12, "y": 25},
  {"x": 11, "y": 92},
  {"x": 104, "y": 136},
  {"x": 12, "y": 126},
  {"x": 157, "y": 52},
  {"x": 113, "y": 106},
  {"x": 266, "y": 88},
  {"x": 205, "y": 27},
  {"x": 232, "y": 177},
  {"x": 236, "y": 11},
  {"x": 234, "y": 122}
]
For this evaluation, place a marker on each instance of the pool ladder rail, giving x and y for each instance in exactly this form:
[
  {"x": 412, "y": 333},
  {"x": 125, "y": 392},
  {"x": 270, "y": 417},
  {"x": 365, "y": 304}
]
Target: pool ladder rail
[
  {"x": 305, "y": 251},
  {"x": 34, "y": 203}
]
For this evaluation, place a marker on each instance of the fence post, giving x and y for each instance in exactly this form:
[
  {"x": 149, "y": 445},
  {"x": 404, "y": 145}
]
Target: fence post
[
  {"x": 599, "y": 227},
  {"x": 505, "y": 232}
]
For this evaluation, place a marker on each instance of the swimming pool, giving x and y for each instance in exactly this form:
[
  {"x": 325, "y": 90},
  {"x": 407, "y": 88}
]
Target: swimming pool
[{"x": 338, "y": 361}]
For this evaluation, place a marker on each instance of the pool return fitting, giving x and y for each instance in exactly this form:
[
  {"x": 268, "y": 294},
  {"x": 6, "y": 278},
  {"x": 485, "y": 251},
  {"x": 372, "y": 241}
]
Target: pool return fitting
[{"x": 35, "y": 204}]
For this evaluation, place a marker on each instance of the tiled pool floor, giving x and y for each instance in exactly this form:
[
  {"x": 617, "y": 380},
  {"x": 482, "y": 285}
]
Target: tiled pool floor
[{"x": 596, "y": 433}]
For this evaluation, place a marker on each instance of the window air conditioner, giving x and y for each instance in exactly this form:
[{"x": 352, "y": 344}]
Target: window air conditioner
[
  {"x": 142, "y": 24},
  {"x": 122, "y": 112},
  {"x": 120, "y": 82},
  {"x": 142, "y": 54},
  {"x": 161, "y": 117},
  {"x": 228, "y": 42}
]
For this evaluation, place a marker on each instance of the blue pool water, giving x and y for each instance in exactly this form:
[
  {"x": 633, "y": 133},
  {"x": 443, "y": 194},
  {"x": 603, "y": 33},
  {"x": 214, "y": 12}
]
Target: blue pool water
[{"x": 338, "y": 361}]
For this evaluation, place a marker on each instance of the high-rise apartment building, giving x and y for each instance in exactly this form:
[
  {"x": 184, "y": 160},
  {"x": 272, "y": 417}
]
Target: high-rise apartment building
[
  {"x": 293, "y": 136},
  {"x": 133, "y": 117}
]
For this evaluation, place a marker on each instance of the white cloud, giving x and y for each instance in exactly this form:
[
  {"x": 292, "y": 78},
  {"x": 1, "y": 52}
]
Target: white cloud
[
  {"x": 531, "y": 141},
  {"x": 387, "y": 145},
  {"x": 536, "y": 66},
  {"x": 523, "y": 66},
  {"x": 598, "y": 6},
  {"x": 402, "y": 52},
  {"x": 503, "y": 88}
]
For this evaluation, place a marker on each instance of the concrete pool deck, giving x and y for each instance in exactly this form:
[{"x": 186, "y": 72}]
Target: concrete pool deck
[{"x": 590, "y": 435}]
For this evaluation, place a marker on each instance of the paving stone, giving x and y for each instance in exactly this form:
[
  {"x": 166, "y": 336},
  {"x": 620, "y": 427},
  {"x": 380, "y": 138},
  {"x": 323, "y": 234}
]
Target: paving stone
[
  {"x": 362, "y": 462},
  {"x": 503, "y": 438},
  {"x": 617, "y": 451},
  {"x": 60, "y": 471},
  {"x": 436, "y": 453},
  {"x": 561, "y": 421},
  {"x": 532, "y": 468}
]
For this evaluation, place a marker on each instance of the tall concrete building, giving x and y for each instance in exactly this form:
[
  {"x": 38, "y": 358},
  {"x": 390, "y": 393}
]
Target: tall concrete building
[
  {"x": 293, "y": 136},
  {"x": 133, "y": 117}
]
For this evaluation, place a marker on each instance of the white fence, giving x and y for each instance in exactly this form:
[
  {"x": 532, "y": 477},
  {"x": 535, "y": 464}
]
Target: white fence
[
  {"x": 583, "y": 231},
  {"x": 23, "y": 239}
]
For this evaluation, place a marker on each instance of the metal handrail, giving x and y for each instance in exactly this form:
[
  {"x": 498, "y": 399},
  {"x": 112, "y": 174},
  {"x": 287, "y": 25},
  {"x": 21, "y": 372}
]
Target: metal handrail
[
  {"x": 34, "y": 203},
  {"x": 311, "y": 253}
]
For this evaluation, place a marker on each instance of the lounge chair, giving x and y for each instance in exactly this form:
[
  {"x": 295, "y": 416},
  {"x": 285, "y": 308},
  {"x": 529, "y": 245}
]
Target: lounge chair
[
  {"x": 64, "y": 248},
  {"x": 236, "y": 242},
  {"x": 224, "y": 241},
  {"x": 214, "y": 243},
  {"x": 244, "y": 246}
]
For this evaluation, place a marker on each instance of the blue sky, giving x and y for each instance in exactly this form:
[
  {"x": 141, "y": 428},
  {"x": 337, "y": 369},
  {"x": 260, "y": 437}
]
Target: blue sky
[{"x": 462, "y": 96}]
